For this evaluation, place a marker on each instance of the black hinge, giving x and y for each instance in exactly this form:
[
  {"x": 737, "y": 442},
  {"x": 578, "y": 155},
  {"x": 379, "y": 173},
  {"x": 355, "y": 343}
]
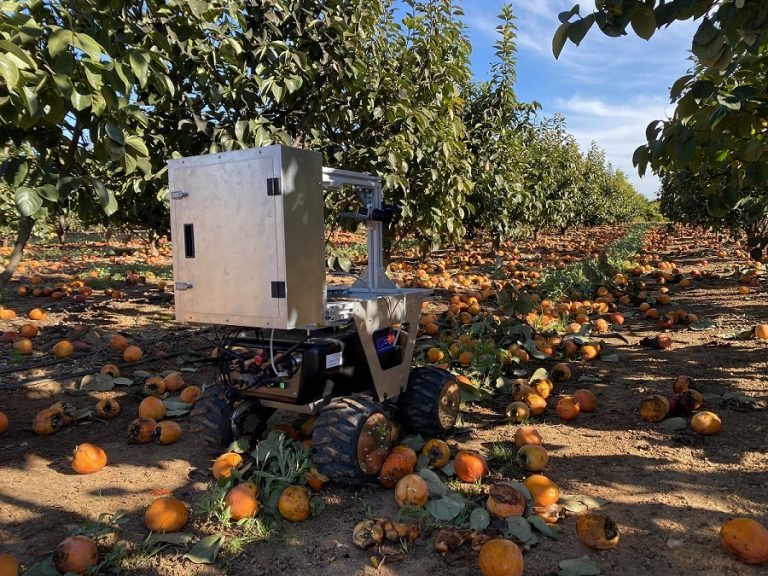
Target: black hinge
[
  {"x": 273, "y": 186},
  {"x": 278, "y": 289}
]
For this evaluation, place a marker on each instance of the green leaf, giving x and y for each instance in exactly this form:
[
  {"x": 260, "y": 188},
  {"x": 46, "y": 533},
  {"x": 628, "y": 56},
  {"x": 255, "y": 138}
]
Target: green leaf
[
  {"x": 345, "y": 263},
  {"x": 106, "y": 197},
  {"x": 115, "y": 133},
  {"x": 30, "y": 100},
  {"x": 640, "y": 159},
  {"x": 519, "y": 528},
  {"x": 561, "y": 35},
  {"x": 277, "y": 92},
  {"x": 122, "y": 381},
  {"x": 241, "y": 446},
  {"x": 293, "y": 83},
  {"x": 546, "y": 529},
  {"x": 205, "y": 551},
  {"x": 175, "y": 538},
  {"x": 80, "y": 101},
  {"x": 97, "y": 382},
  {"x": 674, "y": 424},
  {"x": 48, "y": 192},
  {"x": 444, "y": 509},
  {"x": 137, "y": 145},
  {"x": 198, "y": 7},
  {"x": 28, "y": 201},
  {"x": 539, "y": 374},
  {"x": 578, "y": 567},
  {"x": 10, "y": 72},
  {"x": 415, "y": 443},
  {"x": 140, "y": 65},
  {"x": 579, "y": 503},
  {"x": 83, "y": 413},
  {"x": 89, "y": 46},
  {"x": 15, "y": 172},
  {"x": 177, "y": 406},
  {"x": 43, "y": 568},
  {"x": 579, "y": 28},
  {"x": 436, "y": 486},
  {"x": 19, "y": 53},
  {"x": 644, "y": 21},
  {"x": 702, "y": 325},
  {"x": 479, "y": 519},
  {"x": 59, "y": 39},
  {"x": 568, "y": 14}
]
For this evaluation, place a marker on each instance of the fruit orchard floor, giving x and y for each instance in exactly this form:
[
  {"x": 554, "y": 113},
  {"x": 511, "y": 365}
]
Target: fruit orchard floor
[{"x": 668, "y": 491}]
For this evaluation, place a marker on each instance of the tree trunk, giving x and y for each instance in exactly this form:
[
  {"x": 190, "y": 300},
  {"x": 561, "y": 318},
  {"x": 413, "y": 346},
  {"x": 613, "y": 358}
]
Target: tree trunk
[
  {"x": 61, "y": 228},
  {"x": 22, "y": 236},
  {"x": 756, "y": 244}
]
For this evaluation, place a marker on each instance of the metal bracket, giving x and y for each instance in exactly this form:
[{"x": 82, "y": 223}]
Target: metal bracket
[
  {"x": 178, "y": 195},
  {"x": 183, "y": 285}
]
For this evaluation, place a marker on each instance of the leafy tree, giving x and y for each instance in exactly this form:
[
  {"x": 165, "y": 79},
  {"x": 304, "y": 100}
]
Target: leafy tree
[
  {"x": 552, "y": 175},
  {"x": 719, "y": 125},
  {"x": 497, "y": 123},
  {"x": 679, "y": 201}
]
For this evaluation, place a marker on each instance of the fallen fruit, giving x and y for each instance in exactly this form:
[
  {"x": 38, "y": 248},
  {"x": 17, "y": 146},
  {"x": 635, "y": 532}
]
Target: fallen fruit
[
  {"x": 294, "y": 503},
  {"x": 706, "y": 423},
  {"x": 597, "y": 531},
  {"x": 504, "y": 500},
  {"x": 437, "y": 452},
  {"x": 500, "y": 558},
  {"x": 75, "y": 554},
  {"x": 745, "y": 539},
  {"x": 470, "y": 466},
  {"x": 654, "y": 408},
  {"x": 88, "y": 458},
  {"x": 532, "y": 457},
  {"x": 527, "y": 435},
  {"x": 542, "y": 489},
  {"x": 242, "y": 501},
  {"x": 224, "y": 464},
  {"x": 166, "y": 514},
  {"x": 411, "y": 490},
  {"x": 167, "y": 432}
]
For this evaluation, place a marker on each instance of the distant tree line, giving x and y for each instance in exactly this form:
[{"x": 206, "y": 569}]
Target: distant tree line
[{"x": 98, "y": 94}]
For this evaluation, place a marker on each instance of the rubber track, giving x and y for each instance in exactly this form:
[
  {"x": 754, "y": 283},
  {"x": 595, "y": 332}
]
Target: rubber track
[
  {"x": 419, "y": 404},
  {"x": 335, "y": 438}
]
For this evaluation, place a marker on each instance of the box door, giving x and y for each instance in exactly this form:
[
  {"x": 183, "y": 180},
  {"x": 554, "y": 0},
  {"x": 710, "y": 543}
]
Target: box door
[{"x": 225, "y": 242}]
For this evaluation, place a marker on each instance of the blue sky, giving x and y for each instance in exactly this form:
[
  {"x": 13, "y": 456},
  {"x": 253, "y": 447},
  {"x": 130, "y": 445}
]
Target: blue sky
[{"x": 608, "y": 89}]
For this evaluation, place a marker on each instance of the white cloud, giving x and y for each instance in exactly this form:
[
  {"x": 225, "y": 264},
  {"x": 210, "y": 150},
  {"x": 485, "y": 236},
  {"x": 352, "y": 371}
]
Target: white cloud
[
  {"x": 609, "y": 89},
  {"x": 617, "y": 128}
]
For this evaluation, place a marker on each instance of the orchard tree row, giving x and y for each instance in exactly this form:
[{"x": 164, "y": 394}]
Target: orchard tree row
[
  {"x": 98, "y": 94},
  {"x": 712, "y": 154}
]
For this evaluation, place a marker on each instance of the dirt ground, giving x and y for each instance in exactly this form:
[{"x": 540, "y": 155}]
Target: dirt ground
[{"x": 669, "y": 492}]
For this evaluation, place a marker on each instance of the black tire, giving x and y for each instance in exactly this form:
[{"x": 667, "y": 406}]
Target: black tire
[
  {"x": 336, "y": 436},
  {"x": 211, "y": 416},
  {"x": 219, "y": 421},
  {"x": 430, "y": 404}
]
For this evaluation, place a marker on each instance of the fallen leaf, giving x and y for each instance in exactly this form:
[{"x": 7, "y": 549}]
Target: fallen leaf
[
  {"x": 205, "y": 551},
  {"x": 579, "y": 567}
]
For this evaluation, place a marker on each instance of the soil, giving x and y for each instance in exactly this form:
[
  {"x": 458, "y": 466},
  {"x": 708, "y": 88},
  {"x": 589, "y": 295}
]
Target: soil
[{"x": 669, "y": 491}]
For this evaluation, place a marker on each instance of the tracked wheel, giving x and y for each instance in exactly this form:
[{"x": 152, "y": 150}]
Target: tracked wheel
[
  {"x": 430, "y": 404},
  {"x": 219, "y": 421},
  {"x": 352, "y": 438}
]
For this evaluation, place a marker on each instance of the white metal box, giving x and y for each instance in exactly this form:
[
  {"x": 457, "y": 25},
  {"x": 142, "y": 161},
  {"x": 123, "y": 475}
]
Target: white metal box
[{"x": 247, "y": 232}]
